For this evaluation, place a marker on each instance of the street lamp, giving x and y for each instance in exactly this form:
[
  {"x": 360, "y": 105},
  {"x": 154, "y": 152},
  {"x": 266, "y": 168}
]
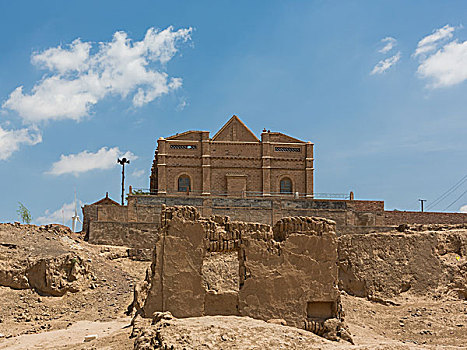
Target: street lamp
[{"x": 122, "y": 162}]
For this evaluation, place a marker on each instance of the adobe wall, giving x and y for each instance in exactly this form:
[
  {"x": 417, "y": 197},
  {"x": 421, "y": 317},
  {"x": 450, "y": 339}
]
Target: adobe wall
[
  {"x": 383, "y": 265},
  {"x": 292, "y": 276},
  {"x": 288, "y": 272}
]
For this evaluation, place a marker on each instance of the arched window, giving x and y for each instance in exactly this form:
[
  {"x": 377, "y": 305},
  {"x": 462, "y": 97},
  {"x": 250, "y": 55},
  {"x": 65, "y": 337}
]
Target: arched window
[
  {"x": 286, "y": 185},
  {"x": 184, "y": 184}
]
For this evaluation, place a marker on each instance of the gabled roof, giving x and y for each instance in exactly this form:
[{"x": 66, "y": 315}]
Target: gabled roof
[
  {"x": 235, "y": 130},
  {"x": 187, "y": 135},
  {"x": 280, "y": 137},
  {"x": 105, "y": 201}
]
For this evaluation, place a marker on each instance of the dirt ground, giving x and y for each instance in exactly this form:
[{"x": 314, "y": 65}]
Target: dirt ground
[
  {"x": 29, "y": 320},
  {"x": 103, "y": 297}
]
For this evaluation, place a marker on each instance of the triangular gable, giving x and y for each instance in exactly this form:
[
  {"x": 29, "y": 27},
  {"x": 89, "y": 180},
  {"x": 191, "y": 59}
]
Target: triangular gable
[
  {"x": 192, "y": 135},
  {"x": 235, "y": 130},
  {"x": 280, "y": 137},
  {"x": 105, "y": 201}
]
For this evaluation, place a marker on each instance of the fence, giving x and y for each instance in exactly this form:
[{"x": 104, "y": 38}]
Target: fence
[{"x": 244, "y": 194}]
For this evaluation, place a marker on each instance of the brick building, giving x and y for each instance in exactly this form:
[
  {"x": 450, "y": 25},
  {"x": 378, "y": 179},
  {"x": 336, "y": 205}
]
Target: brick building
[{"x": 234, "y": 162}]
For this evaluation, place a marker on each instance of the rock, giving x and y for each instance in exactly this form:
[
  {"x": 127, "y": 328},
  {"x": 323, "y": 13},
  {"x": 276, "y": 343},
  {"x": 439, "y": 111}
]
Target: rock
[
  {"x": 49, "y": 276},
  {"x": 90, "y": 337},
  {"x": 278, "y": 321},
  {"x": 157, "y": 316}
]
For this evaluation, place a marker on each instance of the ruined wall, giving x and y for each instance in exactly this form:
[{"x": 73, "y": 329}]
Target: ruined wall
[
  {"x": 292, "y": 277},
  {"x": 177, "y": 283},
  {"x": 289, "y": 272},
  {"x": 387, "y": 264}
]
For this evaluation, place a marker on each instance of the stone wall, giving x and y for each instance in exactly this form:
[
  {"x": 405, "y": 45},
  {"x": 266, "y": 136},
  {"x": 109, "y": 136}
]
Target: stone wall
[
  {"x": 133, "y": 235},
  {"x": 288, "y": 272}
]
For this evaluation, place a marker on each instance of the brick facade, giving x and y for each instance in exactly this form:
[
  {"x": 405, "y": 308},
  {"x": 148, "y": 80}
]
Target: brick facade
[{"x": 234, "y": 162}]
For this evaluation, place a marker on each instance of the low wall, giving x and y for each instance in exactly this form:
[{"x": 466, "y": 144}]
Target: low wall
[
  {"x": 386, "y": 264},
  {"x": 425, "y": 218},
  {"x": 133, "y": 235},
  {"x": 102, "y": 222},
  {"x": 263, "y": 210}
]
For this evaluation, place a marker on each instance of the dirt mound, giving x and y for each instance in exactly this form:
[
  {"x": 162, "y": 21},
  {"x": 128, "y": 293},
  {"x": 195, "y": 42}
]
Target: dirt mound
[
  {"x": 48, "y": 276},
  {"x": 52, "y": 272},
  {"x": 387, "y": 264},
  {"x": 221, "y": 332}
]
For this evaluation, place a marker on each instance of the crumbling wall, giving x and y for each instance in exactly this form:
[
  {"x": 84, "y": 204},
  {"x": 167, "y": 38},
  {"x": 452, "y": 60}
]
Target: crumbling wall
[
  {"x": 176, "y": 282},
  {"x": 387, "y": 264},
  {"x": 288, "y": 276},
  {"x": 288, "y": 272}
]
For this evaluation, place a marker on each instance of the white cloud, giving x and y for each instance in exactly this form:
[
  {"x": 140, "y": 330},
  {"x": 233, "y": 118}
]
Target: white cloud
[
  {"x": 58, "y": 216},
  {"x": 389, "y": 44},
  {"x": 383, "y": 65},
  {"x": 447, "y": 66},
  {"x": 442, "y": 61},
  {"x": 138, "y": 173},
  {"x": 463, "y": 209},
  {"x": 431, "y": 42},
  {"x": 183, "y": 103},
  {"x": 76, "y": 58},
  {"x": 86, "y": 161},
  {"x": 11, "y": 140},
  {"x": 79, "y": 78}
]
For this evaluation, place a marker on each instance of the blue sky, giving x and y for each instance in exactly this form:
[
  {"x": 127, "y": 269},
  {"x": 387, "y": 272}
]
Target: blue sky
[{"x": 379, "y": 87}]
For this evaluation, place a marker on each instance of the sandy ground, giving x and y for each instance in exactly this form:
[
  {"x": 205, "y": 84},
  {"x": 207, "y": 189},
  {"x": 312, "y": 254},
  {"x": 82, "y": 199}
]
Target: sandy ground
[{"x": 73, "y": 337}]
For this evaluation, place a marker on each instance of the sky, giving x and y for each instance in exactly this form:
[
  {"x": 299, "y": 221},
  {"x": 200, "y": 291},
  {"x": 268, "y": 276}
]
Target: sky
[{"x": 378, "y": 86}]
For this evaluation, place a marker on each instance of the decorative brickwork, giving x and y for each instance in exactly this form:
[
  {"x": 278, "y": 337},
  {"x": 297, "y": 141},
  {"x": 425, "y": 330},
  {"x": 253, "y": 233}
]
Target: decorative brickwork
[{"x": 234, "y": 163}]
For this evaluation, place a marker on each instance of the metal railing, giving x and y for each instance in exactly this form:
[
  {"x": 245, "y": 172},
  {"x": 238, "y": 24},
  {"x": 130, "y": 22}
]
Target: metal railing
[{"x": 244, "y": 194}]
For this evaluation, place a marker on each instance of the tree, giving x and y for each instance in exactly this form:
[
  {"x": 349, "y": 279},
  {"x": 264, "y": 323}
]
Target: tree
[{"x": 24, "y": 214}]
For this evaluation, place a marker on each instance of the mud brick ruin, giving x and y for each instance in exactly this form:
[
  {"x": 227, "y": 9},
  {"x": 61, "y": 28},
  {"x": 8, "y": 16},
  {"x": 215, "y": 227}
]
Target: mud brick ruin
[{"x": 287, "y": 272}]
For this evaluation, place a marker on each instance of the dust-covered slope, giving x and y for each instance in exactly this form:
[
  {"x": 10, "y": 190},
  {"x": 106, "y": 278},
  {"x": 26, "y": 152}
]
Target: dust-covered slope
[{"x": 50, "y": 278}]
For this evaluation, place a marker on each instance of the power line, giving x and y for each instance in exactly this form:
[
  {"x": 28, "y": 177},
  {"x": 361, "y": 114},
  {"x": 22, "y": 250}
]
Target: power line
[
  {"x": 456, "y": 200},
  {"x": 448, "y": 192}
]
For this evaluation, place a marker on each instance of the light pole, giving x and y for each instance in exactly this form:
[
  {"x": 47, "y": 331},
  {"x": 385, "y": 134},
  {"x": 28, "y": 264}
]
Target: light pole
[
  {"x": 421, "y": 203},
  {"x": 122, "y": 162}
]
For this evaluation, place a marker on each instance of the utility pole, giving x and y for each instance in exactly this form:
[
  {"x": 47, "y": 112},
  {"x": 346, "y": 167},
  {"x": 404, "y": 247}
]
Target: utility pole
[
  {"x": 122, "y": 162},
  {"x": 421, "y": 203}
]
